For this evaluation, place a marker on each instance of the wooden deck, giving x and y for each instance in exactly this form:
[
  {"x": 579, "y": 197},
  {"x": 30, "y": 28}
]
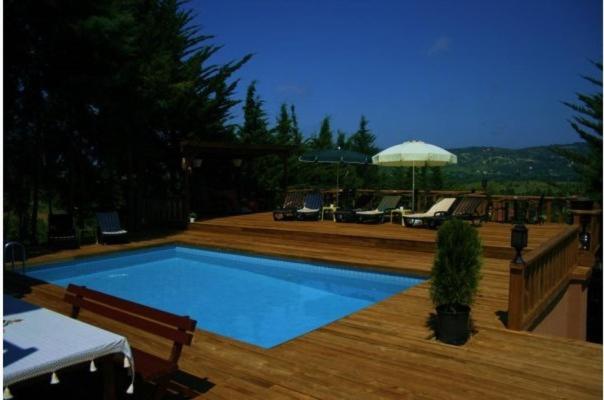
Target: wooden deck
[{"x": 386, "y": 351}]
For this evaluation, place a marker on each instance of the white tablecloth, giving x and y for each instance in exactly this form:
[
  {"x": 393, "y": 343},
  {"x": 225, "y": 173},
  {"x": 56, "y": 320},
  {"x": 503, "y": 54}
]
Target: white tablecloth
[{"x": 38, "y": 341}]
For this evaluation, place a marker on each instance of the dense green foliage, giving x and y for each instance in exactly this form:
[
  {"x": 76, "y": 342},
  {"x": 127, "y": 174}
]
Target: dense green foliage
[
  {"x": 457, "y": 264},
  {"x": 98, "y": 96},
  {"x": 588, "y": 125}
]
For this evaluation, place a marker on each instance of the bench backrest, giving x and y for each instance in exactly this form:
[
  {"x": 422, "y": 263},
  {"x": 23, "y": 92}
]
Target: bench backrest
[
  {"x": 388, "y": 203},
  {"x": 442, "y": 206},
  {"x": 108, "y": 221},
  {"x": 294, "y": 200},
  {"x": 313, "y": 200},
  {"x": 467, "y": 206},
  {"x": 161, "y": 323}
]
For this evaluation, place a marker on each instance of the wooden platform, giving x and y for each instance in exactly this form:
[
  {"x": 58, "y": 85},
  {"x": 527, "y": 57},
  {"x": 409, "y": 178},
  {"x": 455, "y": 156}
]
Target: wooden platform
[
  {"x": 386, "y": 351},
  {"x": 495, "y": 237}
]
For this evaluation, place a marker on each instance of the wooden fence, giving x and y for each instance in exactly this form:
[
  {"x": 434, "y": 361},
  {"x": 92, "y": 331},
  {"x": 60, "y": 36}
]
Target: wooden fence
[
  {"x": 164, "y": 212},
  {"x": 537, "y": 282}
]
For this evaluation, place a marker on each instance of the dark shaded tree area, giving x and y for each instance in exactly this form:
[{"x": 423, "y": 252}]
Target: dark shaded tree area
[
  {"x": 264, "y": 175},
  {"x": 98, "y": 96}
]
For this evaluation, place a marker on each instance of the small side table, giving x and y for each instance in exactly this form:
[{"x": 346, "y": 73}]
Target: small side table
[
  {"x": 399, "y": 212},
  {"x": 331, "y": 208}
]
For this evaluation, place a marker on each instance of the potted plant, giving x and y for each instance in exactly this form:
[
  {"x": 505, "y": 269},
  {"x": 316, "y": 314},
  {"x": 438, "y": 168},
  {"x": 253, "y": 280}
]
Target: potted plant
[
  {"x": 192, "y": 217},
  {"x": 455, "y": 276}
]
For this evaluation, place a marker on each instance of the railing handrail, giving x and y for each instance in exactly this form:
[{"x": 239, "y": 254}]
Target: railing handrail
[
  {"x": 536, "y": 282},
  {"x": 546, "y": 248}
]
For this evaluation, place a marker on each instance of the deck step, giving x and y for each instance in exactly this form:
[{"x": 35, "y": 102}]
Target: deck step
[{"x": 291, "y": 230}]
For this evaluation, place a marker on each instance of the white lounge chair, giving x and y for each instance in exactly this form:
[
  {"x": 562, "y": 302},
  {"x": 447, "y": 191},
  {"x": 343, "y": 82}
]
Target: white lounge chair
[{"x": 443, "y": 205}]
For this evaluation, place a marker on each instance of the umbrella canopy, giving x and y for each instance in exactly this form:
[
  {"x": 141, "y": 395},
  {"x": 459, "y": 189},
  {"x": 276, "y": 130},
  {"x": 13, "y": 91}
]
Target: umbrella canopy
[
  {"x": 412, "y": 153},
  {"x": 335, "y": 156}
]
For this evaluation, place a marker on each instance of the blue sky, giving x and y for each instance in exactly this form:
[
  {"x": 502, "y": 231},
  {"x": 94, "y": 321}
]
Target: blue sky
[{"x": 453, "y": 73}]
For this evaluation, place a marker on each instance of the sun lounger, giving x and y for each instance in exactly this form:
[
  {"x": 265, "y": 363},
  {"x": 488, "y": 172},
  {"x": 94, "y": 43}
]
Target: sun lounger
[
  {"x": 312, "y": 207},
  {"x": 292, "y": 203},
  {"x": 466, "y": 208},
  {"x": 349, "y": 214},
  {"x": 110, "y": 230},
  {"x": 421, "y": 219},
  {"x": 377, "y": 215},
  {"x": 62, "y": 231}
]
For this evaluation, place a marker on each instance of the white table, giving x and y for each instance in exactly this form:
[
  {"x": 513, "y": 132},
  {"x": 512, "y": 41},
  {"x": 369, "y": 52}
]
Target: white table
[
  {"x": 38, "y": 341},
  {"x": 400, "y": 212},
  {"x": 331, "y": 208}
]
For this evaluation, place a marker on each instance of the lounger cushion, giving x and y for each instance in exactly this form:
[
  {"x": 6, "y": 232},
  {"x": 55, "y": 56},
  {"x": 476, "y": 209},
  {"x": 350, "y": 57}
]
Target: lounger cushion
[
  {"x": 306, "y": 210},
  {"x": 370, "y": 212},
  {"x": 372, "y": 217},
  {"x": 120, "y": 232}
]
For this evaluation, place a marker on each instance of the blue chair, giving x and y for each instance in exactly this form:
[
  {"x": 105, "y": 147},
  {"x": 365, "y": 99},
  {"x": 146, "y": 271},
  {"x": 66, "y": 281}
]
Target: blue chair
[
  {"x": 313, "y": 202},
  {"x": 110, "y": 230}
]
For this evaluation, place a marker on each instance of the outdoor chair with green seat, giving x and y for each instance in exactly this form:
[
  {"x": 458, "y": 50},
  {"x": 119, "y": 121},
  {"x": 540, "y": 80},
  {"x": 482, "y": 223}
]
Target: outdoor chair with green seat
[
  {"x": 467, "y": 209},
  {"x": 423, "y": 219},
  {"x": 354, "y": 204},
  {"x": 291, "y": 204},
  {"x": 312, "y": 207},
  {"x": 376, "y": 215}
]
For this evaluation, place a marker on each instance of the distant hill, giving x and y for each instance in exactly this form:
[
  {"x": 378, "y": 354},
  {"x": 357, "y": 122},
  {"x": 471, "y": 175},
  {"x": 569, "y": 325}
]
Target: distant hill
[{"x": 500, "y": 164}]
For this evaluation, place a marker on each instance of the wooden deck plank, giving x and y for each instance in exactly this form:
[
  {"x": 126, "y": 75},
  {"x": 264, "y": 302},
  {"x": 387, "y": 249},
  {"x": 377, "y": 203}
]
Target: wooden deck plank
[{"x": 385, "y": 351}]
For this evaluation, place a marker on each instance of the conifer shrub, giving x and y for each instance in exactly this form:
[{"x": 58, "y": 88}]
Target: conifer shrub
[{"x": 457, "y": 263}]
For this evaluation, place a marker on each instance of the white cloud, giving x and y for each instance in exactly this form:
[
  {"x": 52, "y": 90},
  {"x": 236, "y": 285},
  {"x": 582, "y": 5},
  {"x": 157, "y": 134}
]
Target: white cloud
[{"x": 440, "y": 45}]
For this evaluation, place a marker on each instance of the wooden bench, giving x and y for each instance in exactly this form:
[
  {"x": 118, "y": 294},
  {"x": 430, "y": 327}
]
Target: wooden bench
[{"x": 178, "y": 329}]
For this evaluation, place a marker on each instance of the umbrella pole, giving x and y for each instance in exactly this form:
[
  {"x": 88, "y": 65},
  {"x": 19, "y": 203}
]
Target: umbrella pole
[{"x": 413, "y": 189}]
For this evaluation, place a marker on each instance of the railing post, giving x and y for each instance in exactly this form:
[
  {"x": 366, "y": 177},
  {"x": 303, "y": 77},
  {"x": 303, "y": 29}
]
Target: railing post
[
  {"x": 519, "y": 240},
  {"x": 516, "y": 296},
  {"x": 589, "y": 236}
]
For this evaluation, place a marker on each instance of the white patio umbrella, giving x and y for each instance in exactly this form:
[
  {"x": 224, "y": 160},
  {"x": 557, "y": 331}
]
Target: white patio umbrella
[{"x": 412, "y": 153}]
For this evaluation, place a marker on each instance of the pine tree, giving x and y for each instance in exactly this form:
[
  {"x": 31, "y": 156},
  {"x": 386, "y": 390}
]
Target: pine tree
[
  {"x": 296, "y": 133},
  {"x": 324, "y": 140},
  {"x": 255, "y": 126},
  {"x": 341, "y": 141},
  {"x": 363, "y": 140},
  {"x": 588, "y": 125},
  {"x": 283, "y": 129}
]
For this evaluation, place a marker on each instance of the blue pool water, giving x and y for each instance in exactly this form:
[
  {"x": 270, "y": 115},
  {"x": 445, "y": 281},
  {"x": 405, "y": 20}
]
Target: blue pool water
[{"x": 258, "y": 300}]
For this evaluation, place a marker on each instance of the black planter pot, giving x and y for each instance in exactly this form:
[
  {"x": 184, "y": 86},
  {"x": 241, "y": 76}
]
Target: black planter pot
[{"x": 453, "y": 324}]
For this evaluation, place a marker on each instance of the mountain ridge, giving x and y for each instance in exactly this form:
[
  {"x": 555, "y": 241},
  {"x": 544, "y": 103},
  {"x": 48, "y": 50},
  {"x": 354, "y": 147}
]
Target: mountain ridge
[{"x": 539, "y": 163}]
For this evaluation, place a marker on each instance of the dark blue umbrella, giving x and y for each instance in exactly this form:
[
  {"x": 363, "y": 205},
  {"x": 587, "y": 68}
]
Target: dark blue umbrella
[{"x": 338, "y": 157}]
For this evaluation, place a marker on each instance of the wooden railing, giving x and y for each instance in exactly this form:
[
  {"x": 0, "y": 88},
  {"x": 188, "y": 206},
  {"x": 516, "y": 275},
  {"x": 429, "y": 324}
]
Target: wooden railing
[
  {"x": 538, "y": 282},
  {"x": 507, "y": 208},
  {"x": 164, "y": 212},
  {"x": 502, "y": 208}
]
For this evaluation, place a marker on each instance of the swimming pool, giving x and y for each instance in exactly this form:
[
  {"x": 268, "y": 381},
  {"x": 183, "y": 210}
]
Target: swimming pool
[{"x": 259, "y": 300}]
